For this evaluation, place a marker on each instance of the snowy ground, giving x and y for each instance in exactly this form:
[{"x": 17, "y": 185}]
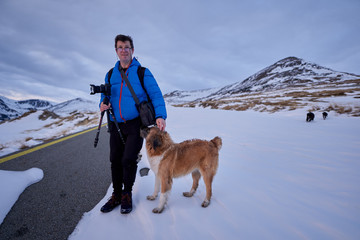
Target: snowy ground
[
  {"x": 279, "y": 177},
  {"x": 12, "y": 184},
  {"x": 30, "y": 131}
]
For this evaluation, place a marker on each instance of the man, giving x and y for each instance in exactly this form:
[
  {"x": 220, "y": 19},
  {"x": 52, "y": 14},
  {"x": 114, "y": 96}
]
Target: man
[{"x": 123, "y": 157}]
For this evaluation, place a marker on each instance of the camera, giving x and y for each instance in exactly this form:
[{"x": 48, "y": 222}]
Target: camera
[{"x": 103, "y": 88}]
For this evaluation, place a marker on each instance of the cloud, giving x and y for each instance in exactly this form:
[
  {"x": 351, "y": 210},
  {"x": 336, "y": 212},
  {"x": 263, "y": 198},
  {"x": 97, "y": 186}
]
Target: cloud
[{"x": 186, "y": 44}]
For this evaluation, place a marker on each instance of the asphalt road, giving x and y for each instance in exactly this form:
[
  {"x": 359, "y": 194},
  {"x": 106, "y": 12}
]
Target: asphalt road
[{"x": 76, "y": 178}]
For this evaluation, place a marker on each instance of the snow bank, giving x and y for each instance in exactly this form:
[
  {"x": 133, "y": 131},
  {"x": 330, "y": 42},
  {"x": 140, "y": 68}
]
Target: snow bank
[{"x": 12, "y": 184}]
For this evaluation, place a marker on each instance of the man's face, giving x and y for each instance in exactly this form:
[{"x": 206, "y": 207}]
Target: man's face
[{"x": 124, "y": 52}]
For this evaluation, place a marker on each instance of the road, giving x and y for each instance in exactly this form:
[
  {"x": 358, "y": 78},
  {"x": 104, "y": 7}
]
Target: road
[{"x": 76, "y": 178}]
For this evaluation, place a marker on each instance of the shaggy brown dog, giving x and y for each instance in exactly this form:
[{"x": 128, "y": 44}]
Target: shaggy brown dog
[{"x": 170, "y": 160}]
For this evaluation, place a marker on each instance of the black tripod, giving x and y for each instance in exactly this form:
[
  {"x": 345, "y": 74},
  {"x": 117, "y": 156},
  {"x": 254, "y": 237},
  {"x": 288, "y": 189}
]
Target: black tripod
[{"x": 109, "y": 112}]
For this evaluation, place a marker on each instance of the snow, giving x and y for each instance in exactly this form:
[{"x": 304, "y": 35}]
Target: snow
[
  {"x": 270, "y": 184},
  {"x": 78, "y": 104},
  {"x": 13, "y": 134},
  {"x": 75, "y": 115},
  {"x": 279, "y": 177},
  {"x": 12, "y": 184},
  {"x": 187, "y": 96},
  {"x": 14, "y": 108}
]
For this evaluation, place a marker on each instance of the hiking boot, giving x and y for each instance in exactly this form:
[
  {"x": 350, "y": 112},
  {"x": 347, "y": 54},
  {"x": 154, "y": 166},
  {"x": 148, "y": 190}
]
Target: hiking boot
[
  {"x": 112, "y": 203},
  {"x": 126, "y": 203}
]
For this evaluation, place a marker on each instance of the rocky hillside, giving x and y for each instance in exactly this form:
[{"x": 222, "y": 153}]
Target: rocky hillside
[
  {"x": 10, "y": 109},
  {"x": 288, "y": 84}
]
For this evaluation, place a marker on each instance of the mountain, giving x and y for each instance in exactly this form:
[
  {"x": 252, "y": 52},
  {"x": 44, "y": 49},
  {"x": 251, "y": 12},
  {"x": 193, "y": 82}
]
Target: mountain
[
  {"x": 288, "y": 84},
  {"x": 179, "y": 97},
  {"x": 43, "y": 123},
  {"x": 10, "y": 109},
  {"x": 75, "y": 105},
  {"x": 34, "y": 104},
  {"x": 288, "y": 72}
]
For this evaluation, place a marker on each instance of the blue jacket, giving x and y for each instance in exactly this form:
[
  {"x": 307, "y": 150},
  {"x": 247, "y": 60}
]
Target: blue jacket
[{"x": 121, "y": 99}]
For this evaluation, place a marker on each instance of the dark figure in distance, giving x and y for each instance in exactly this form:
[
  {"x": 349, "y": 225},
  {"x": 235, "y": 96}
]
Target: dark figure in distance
[
  {"x": 325, "y": 114},
  {"x": 310, "y": 117}
]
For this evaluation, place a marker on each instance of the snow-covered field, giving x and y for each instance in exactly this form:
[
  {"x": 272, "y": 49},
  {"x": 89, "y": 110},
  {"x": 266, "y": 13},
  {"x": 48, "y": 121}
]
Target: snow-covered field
[{"x": 279, "y": 177}]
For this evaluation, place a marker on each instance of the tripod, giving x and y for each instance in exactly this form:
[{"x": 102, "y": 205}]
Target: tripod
[{"x": 109, "y": 112}]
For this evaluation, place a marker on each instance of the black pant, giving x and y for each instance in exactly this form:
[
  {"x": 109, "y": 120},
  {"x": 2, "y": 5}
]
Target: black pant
[{"x": 123, "y": 158}]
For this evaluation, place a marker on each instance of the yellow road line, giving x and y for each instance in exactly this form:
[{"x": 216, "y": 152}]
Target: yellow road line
[{"x": 43, "y": 146}]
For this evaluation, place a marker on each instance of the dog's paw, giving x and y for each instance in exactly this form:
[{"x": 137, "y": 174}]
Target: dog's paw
[
  {"x": 205, "y": 203},
  {"x": 188, "y": 194},
  {"x": 151, "y": 198},
  {"x": 157, "y": 210}
]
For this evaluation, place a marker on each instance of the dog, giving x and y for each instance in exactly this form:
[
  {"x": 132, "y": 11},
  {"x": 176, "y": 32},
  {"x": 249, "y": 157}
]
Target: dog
[
  {"x": 310, "y": 117},
  {"x": 325, "y": 114},
  {"x": 170, "y": 160}
]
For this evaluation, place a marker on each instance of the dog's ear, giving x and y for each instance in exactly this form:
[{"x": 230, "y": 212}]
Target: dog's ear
[
  {"x": 157, "y": 142},
  {"x": 144, "y": 132}
]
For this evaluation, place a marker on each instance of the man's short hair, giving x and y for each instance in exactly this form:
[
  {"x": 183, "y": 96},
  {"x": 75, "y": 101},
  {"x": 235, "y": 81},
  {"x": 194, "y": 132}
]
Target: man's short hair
[{"x": 124, "y": 38}]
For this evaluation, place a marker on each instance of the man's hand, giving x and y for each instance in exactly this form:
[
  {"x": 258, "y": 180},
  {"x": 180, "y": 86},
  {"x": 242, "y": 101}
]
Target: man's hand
[
  {"x": 104, "y": 107},
  {"x": 161, "y": 124}
]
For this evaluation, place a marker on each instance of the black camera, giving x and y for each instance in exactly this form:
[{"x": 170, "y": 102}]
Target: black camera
[{"x": 103, "y": 88}]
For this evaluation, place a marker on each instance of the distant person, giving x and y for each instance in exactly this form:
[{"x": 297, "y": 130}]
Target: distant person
[{"x": 123, "y": 157}]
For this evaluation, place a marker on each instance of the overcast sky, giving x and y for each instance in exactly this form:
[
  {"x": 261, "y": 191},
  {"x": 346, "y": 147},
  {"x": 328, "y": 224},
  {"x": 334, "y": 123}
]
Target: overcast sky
[{"x": 53, "y": 49}]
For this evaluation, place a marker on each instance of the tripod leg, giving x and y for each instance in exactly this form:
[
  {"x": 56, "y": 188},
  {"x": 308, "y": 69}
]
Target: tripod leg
[
  {"x": 98, "y": 130},
  {"x": 116, "y": 124}
]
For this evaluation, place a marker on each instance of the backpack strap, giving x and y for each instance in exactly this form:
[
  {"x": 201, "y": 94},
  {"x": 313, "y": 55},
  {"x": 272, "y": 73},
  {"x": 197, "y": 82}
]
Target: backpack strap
[
  {"x": 141, "y": 75},
  {"x": 109, "y": 74}
]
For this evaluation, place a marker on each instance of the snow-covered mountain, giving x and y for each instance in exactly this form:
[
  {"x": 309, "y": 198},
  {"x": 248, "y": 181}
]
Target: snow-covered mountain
[
  {"x": 10, "y": 109},
  {"x": 74, "y": 105},
  {"x": 287, "y": 84},
  {"x": 179, "y": 97},
  {"x": 289, "y": 72},
  {"x": 42, "y": 124}
]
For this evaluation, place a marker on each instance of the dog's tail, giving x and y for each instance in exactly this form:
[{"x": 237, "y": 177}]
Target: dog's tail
[{"x": 217, "y": 142}]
